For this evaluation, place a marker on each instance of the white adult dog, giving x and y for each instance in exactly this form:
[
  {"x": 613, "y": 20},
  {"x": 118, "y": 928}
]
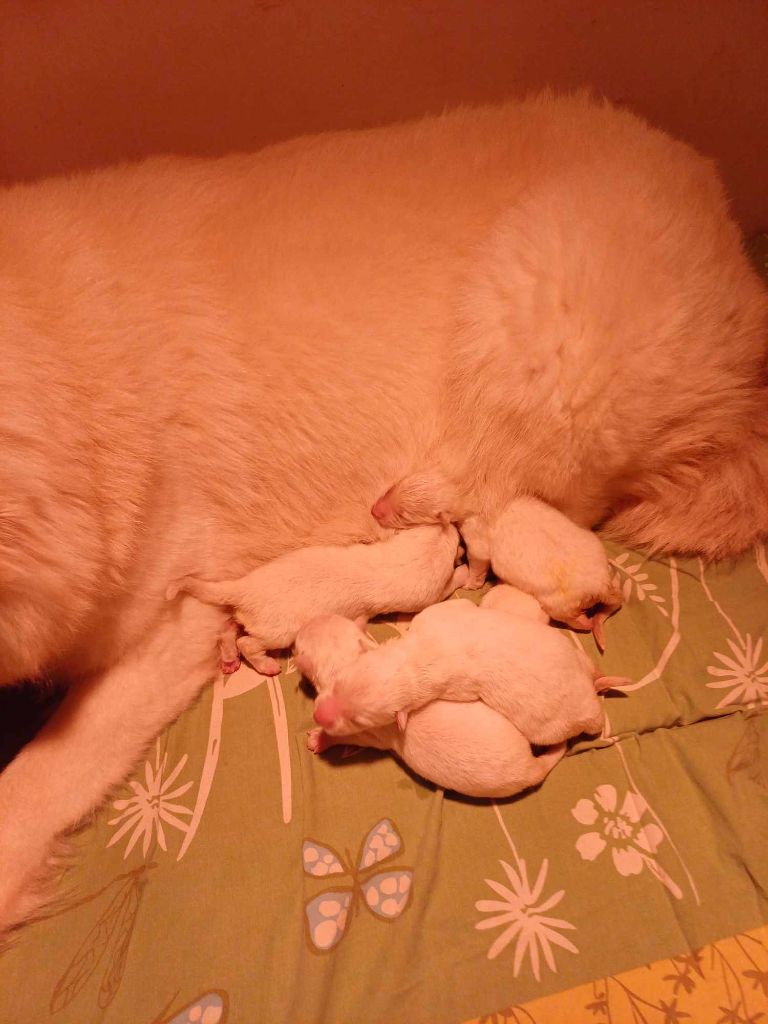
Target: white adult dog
[{"x": 206, "y": 363}]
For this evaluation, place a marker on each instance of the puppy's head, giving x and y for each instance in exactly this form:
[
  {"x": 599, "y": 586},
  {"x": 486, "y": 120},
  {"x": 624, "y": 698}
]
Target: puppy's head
[
  {"x": 327, "y": 645},
  {"x": 352, "y": 706}
]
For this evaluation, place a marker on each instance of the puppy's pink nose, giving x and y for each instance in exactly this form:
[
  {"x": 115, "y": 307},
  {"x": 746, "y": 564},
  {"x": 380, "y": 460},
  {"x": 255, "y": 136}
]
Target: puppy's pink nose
[
  {"x": 382, "y": 508},
  {"x": 327, "y": 710}
]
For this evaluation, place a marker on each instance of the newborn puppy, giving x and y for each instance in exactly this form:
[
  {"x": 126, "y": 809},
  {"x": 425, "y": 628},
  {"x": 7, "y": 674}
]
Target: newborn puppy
[
  {"x": 539, "y": 550},
  {"x": 530, "y": 545},
  {"x": 404, "y": 573},
  {"x": 504, "y": 598},
  {"x": 530, "y": 673},
  {"x": 468, "y": 748}
]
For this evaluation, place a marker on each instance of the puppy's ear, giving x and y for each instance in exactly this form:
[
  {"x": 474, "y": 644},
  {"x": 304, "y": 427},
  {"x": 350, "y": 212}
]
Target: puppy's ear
[{"x": 401, "y": 718}]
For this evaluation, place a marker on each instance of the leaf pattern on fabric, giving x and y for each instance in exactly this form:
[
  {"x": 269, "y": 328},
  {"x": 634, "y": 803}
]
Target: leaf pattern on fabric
[
  {"x": 110, "y": 935},
  {"x": 638, "y": 583},
  {"x": 748, "y": 758}
]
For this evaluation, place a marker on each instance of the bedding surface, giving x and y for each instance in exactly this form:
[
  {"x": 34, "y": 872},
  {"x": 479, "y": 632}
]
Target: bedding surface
[{"x": 239, "y": 878}]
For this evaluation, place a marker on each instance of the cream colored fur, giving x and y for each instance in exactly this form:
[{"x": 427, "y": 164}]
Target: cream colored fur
[
  {"x": 464, "y": 746},
  {"x": 404, "y": 573},
  {"x": 505, "y": 598},
  {"x": 539, "y": 550},
  {"x": 468, "y": 748},
  {"x": 206, "y": 363},
  {"x": 528, "y": 672}
]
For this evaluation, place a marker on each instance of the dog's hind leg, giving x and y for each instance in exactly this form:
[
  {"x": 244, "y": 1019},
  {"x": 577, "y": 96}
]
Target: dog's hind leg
[{"x": 91, "y": 744}]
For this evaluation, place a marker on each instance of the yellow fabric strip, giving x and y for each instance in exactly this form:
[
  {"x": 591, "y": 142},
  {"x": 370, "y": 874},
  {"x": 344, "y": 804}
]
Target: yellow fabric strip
[{"x": 725, "y": 982}]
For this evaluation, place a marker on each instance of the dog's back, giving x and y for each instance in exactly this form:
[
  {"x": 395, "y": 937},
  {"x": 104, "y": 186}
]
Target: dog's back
[{"x": 207, "y": 361}]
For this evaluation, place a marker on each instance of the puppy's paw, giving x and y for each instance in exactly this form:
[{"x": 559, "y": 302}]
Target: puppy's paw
[
  {"x": 458, "y": 580},
  {"x": 475, "y": 581},
  {"x": 317, "y": 741},
  {"x": 266, "y": 665}
]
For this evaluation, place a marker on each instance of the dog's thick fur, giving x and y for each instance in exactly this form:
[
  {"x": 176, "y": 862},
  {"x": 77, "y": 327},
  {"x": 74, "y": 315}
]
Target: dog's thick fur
[{"x": 206, "y": 363}]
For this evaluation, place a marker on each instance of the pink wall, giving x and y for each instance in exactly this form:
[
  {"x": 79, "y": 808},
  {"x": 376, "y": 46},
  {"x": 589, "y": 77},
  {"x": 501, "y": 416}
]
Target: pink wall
[{"x": 86, "y": 82}]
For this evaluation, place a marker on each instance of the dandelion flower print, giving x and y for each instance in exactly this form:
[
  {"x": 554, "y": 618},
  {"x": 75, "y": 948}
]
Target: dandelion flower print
[
  {"x": 524, "y": 919},
  {"x": 152, "y": 804},
  {"x": 742, "y": 673}
]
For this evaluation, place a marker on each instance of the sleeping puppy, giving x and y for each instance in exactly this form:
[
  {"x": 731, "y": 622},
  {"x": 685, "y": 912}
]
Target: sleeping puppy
[
  {"x": 537, "y": 549},
  {"x": 466, "y": 747},
  {"x": 504, "y": 598},
  {"x": 529, "y": 545},
  {"x": 528, "y": 672},
  {"x": 404, "y": 573}
]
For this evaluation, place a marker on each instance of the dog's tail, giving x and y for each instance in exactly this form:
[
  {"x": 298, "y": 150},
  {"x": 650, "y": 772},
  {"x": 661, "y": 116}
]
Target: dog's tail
[
  {"x": 227, "y": 592},
  {"x": 716, "y": 509}
]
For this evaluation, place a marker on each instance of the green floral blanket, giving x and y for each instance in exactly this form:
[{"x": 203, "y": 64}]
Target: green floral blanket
[{"x": 239, "y": 878}]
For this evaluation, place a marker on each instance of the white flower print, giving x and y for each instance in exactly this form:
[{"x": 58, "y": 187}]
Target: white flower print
[
  {"x": 631, "y": 843},
  {"x": 743, "y": 674},
  {"x": 638, "y": 580},
  {"x": 525, "y": 921},
  {"x": 150, "y": 806}
]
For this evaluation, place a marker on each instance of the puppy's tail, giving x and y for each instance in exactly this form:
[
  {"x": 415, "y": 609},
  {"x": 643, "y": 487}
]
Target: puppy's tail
[{"x": 223, "y": 593}]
